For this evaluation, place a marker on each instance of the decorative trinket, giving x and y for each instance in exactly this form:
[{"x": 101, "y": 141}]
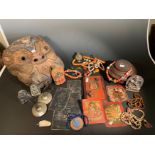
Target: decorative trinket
[
  {"x": 35, "y": 90},
  {"x": 85, "y": 61},
  {"x": 76, "y": 73},
  {"x": 39, "y": 109},
  {"x": 118, "y": 71},
  {"x": 45, "y": 97},
  {"x": 113, "y": 111},
  {"x": 94, "y": 87},
  {"x": 78, "y": 57},
  {"x": 136, "y": 102},
  {"x": 44, "y": 123},
  {"x": 134, "y": 121},
  {"x": 24, "y": 96},
  {"x": 134, "y": 83},
  {"x": 117, "y": 93},
  {"x": 76, "y": 123},
  {"x": 90, "y": 65},
  {"x": 93, "y": 110},
  {"x": 33, "y": 61}
]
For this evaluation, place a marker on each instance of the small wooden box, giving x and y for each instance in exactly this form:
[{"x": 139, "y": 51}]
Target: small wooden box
[
  {"x": 93, "y": 110},
  {"x": 94, "y": 87}
]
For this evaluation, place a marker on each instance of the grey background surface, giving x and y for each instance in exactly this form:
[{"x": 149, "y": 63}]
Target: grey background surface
[{"x": 109, "y": 39}]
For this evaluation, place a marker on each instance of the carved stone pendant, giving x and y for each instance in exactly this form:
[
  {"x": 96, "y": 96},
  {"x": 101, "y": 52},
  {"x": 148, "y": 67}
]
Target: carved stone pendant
[{"x": 134, "y": 83}]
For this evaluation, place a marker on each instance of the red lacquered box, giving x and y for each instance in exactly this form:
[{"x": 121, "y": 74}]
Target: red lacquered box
[
  {"x": 113, "y": 110},
  {"x": 93, "y": 110},
  {"x": 94, "y": 87}
]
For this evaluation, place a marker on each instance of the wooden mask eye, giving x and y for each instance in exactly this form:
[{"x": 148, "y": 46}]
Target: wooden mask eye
[{"x": 23, "y": 58}]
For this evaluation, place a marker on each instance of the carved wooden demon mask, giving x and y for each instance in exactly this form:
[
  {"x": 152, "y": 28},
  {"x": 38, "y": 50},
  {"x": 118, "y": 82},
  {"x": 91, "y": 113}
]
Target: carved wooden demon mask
[{"x": 33, "y": 61}]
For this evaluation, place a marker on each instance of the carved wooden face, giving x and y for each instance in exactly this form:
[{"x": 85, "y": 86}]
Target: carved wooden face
[
  {"x": 23, "y": 51},
  {"x": 31, "y": 60}
]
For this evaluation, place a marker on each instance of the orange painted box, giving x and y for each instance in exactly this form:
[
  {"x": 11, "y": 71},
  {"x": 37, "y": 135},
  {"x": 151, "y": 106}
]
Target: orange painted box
[
  {"x": 94, "y": 87},
  {"x": 113, "y": 111},
  {"x": 93, "y": 110}
]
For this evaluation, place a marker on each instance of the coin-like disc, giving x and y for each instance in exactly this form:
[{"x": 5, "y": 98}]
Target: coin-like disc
[
  {"x": 39, "y": 109},
  {"x": 45, "y": 97},
  {"x": 76, "y": 123}
]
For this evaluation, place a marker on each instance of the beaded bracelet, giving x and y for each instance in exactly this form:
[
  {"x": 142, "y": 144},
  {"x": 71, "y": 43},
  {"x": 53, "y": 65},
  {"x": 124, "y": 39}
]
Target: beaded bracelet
[{"x": 77, "y": 74}]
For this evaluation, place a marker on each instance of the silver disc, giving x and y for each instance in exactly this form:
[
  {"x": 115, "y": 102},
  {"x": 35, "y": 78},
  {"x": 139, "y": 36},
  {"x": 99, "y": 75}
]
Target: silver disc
[
  {"x": 39, "y": 109},
  {"x": 45, "y": 97}
]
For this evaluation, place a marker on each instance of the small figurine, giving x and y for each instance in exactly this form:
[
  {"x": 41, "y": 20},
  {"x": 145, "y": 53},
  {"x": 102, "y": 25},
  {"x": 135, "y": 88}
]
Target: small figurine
[
  {"x": 33, "y": 61},
  {"x": 78, "y": 57},
  {"x": 134, "y": 83},
  {"x": 118, "y": 71}
]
